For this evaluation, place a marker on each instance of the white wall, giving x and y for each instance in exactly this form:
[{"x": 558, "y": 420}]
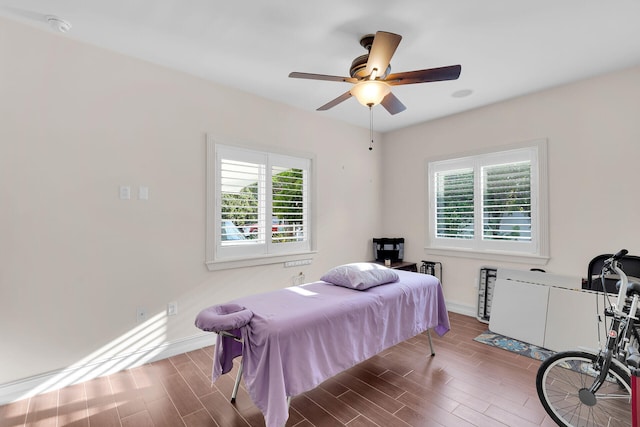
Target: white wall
[
  {"x": 75, "y": 261},
  {"x": 593, "y": 130}
]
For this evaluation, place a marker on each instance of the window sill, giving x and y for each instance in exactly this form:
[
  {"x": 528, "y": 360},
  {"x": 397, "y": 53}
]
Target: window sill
[
  {"x": 225, "y": 264},
  {"x": 490, "y": 255}
]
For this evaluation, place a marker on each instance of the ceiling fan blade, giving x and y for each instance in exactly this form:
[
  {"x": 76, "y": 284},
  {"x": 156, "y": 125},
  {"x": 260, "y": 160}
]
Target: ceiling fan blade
[
  {"x": 392, "y": 104},
  {"x": 451, "y": 72},
  {"x": 335, "y": 102},
  {"x": 382, "y": 49},
  {"x": 297, "y": 75}
]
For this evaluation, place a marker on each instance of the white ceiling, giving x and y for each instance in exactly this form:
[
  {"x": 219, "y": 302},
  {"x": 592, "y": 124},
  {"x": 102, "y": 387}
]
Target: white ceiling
[{"x": 506, "y": 48}]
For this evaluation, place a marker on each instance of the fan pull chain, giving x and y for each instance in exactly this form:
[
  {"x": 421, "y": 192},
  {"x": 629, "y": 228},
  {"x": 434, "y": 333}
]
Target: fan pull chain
[{"x": 371, "y": 127}]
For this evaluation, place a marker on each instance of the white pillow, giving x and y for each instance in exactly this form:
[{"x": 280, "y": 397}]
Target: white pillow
[{"x": 360, "y": 275}]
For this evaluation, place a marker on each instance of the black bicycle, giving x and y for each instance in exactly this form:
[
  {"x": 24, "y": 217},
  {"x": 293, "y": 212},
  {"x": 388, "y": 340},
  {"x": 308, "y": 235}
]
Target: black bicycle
[{"x": 584, "y": 388}]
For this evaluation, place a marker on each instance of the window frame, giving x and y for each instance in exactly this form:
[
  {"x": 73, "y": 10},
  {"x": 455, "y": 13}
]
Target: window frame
[
  {"x": 536, "y": 251},
  {"x": 219, "y": 256}
]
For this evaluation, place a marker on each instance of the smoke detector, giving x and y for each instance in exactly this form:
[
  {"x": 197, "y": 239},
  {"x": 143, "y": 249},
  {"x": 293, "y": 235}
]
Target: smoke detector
[{"x": 58, "y": 23}]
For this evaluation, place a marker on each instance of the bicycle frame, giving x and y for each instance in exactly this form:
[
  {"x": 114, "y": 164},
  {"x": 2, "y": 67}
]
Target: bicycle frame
[
  {"x": 634, "y": 362},
  {"x": 616, "y": 342},
  {"x": 635, "y": 401},
  {"x": 621, "y": 316},
  {"x": 619, "y": 345},
  {"x": 594, "y": 386}
]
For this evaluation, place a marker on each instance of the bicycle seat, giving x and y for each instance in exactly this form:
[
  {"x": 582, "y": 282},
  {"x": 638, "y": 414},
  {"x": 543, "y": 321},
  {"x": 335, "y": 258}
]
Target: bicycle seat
[{"x": 632, "y": 288}]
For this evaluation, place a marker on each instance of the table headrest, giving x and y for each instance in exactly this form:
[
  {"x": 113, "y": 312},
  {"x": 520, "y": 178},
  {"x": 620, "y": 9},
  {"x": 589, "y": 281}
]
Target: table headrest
[{"x": 223, "y": 317}]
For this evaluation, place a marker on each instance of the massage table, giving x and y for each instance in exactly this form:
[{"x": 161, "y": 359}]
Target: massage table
[{"x": 293, "y": 339}]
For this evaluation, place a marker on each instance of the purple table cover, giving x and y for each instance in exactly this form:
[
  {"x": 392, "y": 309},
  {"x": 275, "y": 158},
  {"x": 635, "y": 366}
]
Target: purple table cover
[{"x": 302, "y": 335}]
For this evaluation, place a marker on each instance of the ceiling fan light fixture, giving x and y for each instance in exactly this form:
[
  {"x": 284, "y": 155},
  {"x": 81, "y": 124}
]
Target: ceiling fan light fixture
[
  {"x": 370, "y": 92},
  {"x": 371, "y": 76}
]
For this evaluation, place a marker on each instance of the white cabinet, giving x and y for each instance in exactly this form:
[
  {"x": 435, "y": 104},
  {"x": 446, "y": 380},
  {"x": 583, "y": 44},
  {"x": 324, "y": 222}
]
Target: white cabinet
[{"x": 531, "y": 307}]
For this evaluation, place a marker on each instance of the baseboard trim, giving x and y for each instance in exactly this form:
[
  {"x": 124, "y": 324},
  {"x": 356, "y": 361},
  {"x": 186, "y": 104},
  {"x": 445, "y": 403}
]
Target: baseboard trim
[
  {"x": 53, "y": 380},
  {"x": 464, "y": 309}
]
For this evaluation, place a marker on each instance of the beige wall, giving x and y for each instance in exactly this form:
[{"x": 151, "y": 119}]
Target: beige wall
[
  {"x": 593, "y": 132},
  {"x": 75, "y": 261}
]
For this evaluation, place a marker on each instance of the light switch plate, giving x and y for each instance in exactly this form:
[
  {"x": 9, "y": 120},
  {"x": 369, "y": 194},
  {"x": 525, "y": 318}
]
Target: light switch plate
[
  {"x": 125, "y": 192},
  {"x": 143, "y": 193}
]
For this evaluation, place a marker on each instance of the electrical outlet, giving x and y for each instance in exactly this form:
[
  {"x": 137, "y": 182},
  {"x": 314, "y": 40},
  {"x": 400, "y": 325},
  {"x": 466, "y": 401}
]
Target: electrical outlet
[
  {"x": 141, "y": 314},
  {"x": 172, "y": 308},
  {"x": 298, "y": 280}
]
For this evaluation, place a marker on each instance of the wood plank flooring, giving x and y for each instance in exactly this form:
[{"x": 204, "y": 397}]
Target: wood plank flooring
[{"x": 465, "y": 384}]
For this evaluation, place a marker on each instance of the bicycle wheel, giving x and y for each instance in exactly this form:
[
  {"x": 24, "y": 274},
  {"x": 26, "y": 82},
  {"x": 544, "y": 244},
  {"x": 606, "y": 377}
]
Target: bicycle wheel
[{"x": 563, "y": 382}]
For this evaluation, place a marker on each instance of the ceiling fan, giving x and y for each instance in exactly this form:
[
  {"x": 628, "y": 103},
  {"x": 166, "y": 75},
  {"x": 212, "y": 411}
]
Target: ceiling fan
[{"x": 371, "y": 78}]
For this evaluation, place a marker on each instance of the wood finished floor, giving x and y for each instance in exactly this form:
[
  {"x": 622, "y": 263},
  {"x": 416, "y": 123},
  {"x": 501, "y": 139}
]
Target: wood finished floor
[{"x": 465, "y": 384}]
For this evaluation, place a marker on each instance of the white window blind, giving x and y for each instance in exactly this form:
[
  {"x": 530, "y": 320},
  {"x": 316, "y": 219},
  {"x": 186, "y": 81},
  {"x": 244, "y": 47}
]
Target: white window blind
[
  {"x": 454, "y": 203},
  {"x": 492, "y": 201},
  {"x": 289, "y": 222},
  {"x": 242, "y": 200},
  {"x": 506, "y": 204},
  {"x": 261, "y": 204}
]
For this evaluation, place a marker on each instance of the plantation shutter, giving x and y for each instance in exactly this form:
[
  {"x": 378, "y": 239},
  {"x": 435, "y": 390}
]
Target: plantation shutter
[
  {"x": 492, "y": 203},
  {"x": 506, "y": 207},
  {"x": 289, "y": 220},
  {"x": 258, "y": 206},
  {"x": 454, "y": 203},
  {"x": 242, "y": 201},
  {"x": 262, "y": 203}
]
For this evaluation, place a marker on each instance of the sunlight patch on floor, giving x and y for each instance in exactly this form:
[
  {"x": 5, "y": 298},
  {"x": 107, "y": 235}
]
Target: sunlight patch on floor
[{"x": 134, "y": 348}]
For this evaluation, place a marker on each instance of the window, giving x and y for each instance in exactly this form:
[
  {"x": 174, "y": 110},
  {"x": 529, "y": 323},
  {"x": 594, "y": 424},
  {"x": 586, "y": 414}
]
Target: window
[
  {"x": 490, "y": 202},
  {"x": 260, "y": 207}
]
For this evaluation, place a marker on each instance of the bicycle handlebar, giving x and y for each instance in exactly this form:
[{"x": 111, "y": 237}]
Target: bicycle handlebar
[
  {"x": 620, "y": 254},
  {"x": 612, "y": 264},
  {"x": 609, "y": 262}
]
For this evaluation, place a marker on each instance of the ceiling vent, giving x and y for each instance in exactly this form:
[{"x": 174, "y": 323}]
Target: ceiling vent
[{"x": 58, "y": 24}]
